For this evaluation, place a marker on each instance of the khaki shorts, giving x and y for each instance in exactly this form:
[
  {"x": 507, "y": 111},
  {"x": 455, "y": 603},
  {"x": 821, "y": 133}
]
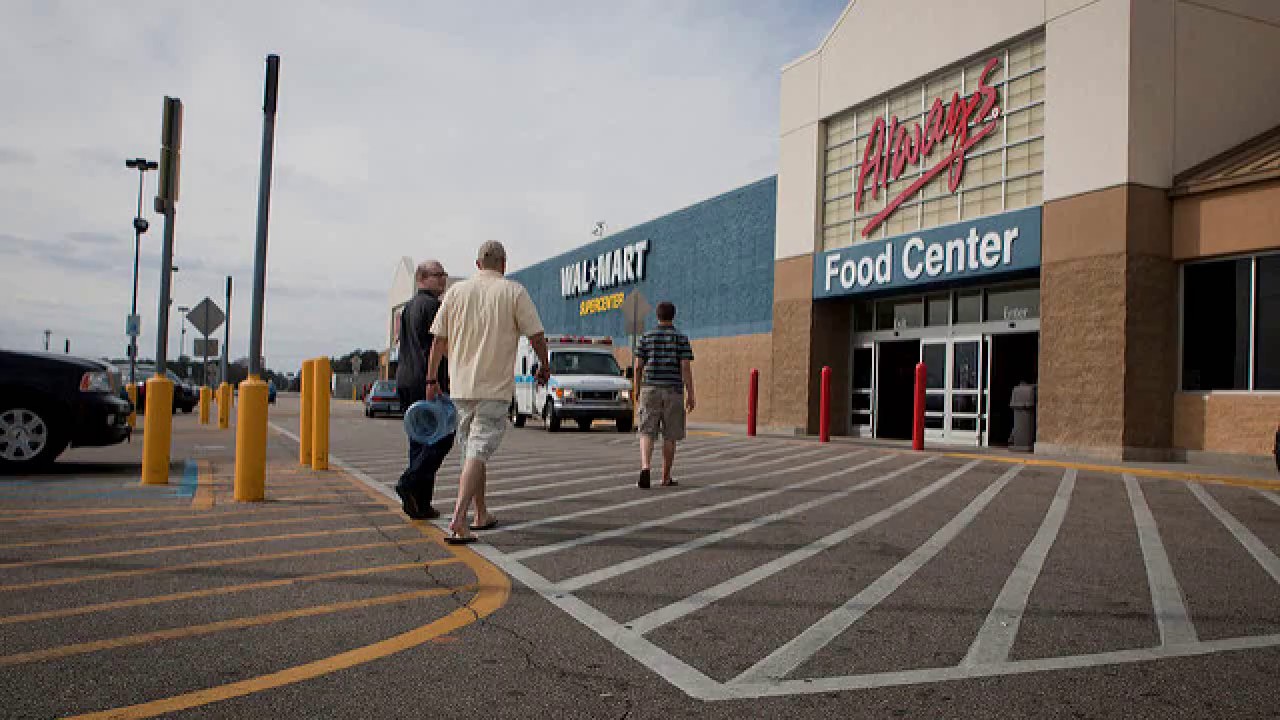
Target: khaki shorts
[
  {"x": 481, "y": 425},
  {"x": 662, "y": 411}
]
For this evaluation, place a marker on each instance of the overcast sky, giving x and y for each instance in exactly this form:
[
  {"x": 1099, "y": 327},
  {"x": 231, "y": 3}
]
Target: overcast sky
[{"x": 405, "y": 128}]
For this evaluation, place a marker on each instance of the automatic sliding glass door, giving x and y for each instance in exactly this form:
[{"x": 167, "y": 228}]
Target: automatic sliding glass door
[{"x": 953, "y": 390}]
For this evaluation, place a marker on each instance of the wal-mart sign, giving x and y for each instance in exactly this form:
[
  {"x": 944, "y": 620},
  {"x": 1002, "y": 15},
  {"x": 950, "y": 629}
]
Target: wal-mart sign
[{"x": 984, "y": 247}]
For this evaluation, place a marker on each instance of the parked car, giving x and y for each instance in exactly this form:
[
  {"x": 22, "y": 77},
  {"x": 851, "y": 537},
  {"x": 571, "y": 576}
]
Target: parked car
[
  {"x": 186, "y": 396},
  {"x": 382, "y": 398},
  {"x": 49, "y": 402}
]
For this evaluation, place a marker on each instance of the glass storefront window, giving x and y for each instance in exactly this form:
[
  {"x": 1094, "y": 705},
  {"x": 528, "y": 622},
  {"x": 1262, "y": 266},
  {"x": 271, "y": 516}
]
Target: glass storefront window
[
  {"x": 1215, "y": 335},
  {"x": 1013, "y": 304},
  {"x": 968, "y": 307},
  {"x": 863, "y": 318},
  {"x": 899, "y": 314},
  {"x": 938, "y": 310},
  {"x": 934, "y": 357},
  {"x": 1267, "y": 344}
]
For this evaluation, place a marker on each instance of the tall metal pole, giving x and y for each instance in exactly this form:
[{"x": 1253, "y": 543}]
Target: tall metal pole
[
  {"x": 226, "y": 334},
  {"x": 133, "y": 306},
  {"x": 167, "y": 202},
  {"x": 264, "y": 209}
]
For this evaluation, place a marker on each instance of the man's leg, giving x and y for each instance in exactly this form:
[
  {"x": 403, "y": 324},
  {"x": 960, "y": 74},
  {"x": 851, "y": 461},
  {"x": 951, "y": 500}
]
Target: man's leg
[
  {"x": 433, "y": 457},
  {"x": 468, "y": 488},
  {"x": 649, "y": 416},
  {"x": 668, "y": 459},
  {"x": 491, "y": 418},
  {"x": 411, "y": 478}
]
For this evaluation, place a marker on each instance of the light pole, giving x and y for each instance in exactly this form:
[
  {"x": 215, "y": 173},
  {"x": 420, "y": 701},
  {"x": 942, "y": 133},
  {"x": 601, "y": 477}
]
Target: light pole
[
  {"x": 140, "y": 225},
  {"x": 182, "y": 336}
]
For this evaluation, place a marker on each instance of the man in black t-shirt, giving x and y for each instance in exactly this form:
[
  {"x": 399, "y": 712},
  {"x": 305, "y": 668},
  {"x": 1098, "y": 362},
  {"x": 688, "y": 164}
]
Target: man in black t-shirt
[{"x": 418, "y": 482}]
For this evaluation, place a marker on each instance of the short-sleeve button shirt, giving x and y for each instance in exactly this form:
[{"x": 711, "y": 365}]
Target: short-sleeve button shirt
[
  {"x": 662, "y": 349},
  {"x": 483, "y": 319}
]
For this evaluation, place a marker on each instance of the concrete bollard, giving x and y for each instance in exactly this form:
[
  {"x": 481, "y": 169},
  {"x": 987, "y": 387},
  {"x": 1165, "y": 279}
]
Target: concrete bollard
[
  {"x": 224, "y": 406},
  {"x": 320, "y": 393},
  {"x": 157, "y": 431},
  {"x": 306, "y": 418}
]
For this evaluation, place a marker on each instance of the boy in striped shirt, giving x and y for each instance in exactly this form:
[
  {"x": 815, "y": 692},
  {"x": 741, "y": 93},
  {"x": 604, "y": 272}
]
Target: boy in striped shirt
[{"x": 664, "y": 364}]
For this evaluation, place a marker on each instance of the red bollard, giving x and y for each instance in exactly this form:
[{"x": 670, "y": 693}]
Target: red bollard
[
  {"x": 824, "y": 417},
  {"x": 917, "y": 432},
  {"x": 753, "y": 395}
]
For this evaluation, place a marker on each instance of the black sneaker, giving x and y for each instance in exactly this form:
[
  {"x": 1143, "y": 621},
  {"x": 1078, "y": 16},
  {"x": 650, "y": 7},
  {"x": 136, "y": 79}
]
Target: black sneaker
[
  {"x": 429, "y": 514},
  {"x": 409, "y": 504},
  {"x": 643, "y": 482}
]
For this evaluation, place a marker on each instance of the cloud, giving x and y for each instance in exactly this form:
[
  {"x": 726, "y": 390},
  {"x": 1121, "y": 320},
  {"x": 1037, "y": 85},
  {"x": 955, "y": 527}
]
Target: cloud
[{"x": 414, "y": 129}]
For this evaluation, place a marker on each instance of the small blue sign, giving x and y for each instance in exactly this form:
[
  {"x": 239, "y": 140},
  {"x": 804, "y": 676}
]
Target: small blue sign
[{"x": 980, "y": 248}]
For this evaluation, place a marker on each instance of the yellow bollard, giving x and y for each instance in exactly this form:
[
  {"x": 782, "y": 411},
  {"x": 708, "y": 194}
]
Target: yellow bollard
[
  {"x": 224, "y": 406},
  {"x": 251, "y": 442},
  {"x": 157, "y": 431},
  {"x": 305, "y": 419},
  {"x": 320, "y": 392},
  {"x": 206, "y": 397},
  {"x": 133, "y": 400}
]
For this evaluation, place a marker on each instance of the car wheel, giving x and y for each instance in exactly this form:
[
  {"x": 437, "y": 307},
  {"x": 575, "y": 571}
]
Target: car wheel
[
  {"x": 624, "y": 425},
  {"x": 584, "y": 424},
  {"x": 31, "y": 435},
  {"x": 549, "y": 419},
  {"x": 513, "y": 413}
]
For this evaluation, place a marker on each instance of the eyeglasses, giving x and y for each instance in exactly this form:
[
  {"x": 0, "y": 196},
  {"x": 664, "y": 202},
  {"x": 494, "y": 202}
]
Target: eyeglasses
[{"x": 437, "y": 274}]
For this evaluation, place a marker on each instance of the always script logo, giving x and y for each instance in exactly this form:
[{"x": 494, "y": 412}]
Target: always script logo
[{"x": 892, "y": 147}]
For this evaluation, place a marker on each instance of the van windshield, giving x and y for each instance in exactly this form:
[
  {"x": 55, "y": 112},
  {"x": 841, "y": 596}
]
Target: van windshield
[{"x": 583, "y": 363}]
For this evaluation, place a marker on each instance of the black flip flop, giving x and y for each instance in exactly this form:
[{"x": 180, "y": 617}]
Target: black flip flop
[
  {"x": 460, "y": 540},
  {"x": 487, "y": 526},
  {"x": 671, "y": 483}
]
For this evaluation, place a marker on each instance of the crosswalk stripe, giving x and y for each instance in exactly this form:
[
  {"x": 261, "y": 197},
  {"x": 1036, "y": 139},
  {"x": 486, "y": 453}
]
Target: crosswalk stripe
[
  {"x": 670, "y": 613},
  {"x": 995, "y": 639},
  {"x": 1166, "y": 595},
  {"x": 784, "y": 660},
  {"x": 1256, "y": 547}
]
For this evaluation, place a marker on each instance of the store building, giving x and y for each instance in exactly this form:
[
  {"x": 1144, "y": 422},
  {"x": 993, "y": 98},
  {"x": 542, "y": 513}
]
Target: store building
[
  {"x": 987, "y": 187},
  {"x": 1080, "y": 194}
]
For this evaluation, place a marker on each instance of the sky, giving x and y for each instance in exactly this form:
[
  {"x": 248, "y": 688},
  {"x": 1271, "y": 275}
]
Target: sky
[{"x": 407, "y": 128}]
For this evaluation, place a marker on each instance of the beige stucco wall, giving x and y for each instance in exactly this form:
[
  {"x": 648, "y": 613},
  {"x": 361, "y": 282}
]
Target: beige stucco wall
[
  {"x": 1239, "y": 423},
  {"x": 1236, "y": 220}
]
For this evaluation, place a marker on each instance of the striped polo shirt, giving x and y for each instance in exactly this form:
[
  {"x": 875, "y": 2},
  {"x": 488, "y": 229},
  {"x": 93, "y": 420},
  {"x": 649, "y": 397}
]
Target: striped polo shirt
[{"x": 662, "y": 349}]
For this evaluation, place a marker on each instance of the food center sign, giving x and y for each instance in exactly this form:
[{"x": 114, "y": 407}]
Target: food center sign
[
  {"x": 984, "y": 247},
  {"x": 622, "y": 266}
]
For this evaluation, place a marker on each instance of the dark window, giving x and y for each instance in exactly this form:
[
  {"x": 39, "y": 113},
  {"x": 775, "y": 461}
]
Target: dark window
[
  {"x": 964, "y": 424},
  {"x": 862, "y": 367},
  {"x": 935, "y": 403},
  {"x": 863, "y": 316},
  {"x": 1266, "y": 355},
  {"x": 899, "y": 314},
  {"x": 937, "y": 311},
  {"x": 969, "y": 307},
  {"x": 1013, "y": 304},
  {"x": 1215, "y": 325},
  {"x": 935, "y": 365}
]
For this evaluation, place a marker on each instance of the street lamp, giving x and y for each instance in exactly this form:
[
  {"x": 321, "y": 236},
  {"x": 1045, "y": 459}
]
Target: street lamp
[{"x": 140, "y": 225}]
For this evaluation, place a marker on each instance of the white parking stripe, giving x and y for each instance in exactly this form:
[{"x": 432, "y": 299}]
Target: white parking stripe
[
  {"x": 784, "y": 660},
  {"x": 1166, "y": 596},
  {"x": 696, "y": 512},
  {"x": 591, "y": 578},
  {"x": 1256, "y": 547},
  {"x": 656, "y": 619},
  {"x": 660, "y": 496},
  {"x": 998, "y": 633}
]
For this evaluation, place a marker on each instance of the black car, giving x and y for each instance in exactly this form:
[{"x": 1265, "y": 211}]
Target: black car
[
  {"x": 49, "y": 402},
  {"x": 186, "y": 397}
]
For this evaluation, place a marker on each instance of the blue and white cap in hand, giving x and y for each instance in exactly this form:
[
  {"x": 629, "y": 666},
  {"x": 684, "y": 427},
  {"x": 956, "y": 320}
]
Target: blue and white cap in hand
[{"x": 430, "y": 421}]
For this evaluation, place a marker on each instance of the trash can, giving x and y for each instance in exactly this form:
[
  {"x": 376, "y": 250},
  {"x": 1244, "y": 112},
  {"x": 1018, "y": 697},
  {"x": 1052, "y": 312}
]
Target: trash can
[{"x": 1023, "y": 404}]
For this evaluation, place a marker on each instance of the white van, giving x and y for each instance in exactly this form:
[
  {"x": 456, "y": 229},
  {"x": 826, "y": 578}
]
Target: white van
[{"x": 586, "y": 385}]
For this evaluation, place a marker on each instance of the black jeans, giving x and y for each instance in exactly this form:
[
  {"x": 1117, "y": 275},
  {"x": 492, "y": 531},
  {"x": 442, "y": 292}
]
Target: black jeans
[{"x": 419, "y": 479}]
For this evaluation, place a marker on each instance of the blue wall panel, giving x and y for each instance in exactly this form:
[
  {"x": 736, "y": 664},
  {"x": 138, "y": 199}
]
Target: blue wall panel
[{"x": 714, "y": 260}]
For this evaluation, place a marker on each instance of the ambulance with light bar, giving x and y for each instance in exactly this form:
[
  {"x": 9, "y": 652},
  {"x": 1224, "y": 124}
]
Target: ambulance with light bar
[{"x": 586, "y": 385}]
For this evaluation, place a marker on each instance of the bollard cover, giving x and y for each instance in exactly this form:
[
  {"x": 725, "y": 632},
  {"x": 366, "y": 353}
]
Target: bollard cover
[{"x": 429, "y": 422}]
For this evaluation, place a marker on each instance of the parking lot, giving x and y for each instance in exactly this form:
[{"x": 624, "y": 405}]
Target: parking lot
[{"x": 780, "y": 577}]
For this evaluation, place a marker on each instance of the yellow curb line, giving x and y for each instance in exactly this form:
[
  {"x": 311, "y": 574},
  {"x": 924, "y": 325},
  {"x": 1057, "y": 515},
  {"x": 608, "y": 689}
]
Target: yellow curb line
[
  {"x": 203, "y": 498},
  {"x": 493, "y": 591},
  {"x": 1135, "y": 471}
]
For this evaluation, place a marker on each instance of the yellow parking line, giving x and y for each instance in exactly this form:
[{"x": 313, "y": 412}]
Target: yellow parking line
[
  {"x": 256, "y": 510},
  {"x": 1136, "y": 471},
  {"x": 182, "y": 530},
  {"x": 210, "y": 592},
  {"x": 494, "y": 589},
  {"x": 191, "y": 546},
  {"x": 203, "y": 498},
  {"x": 189, "y": 631},
  {"x": 43, "y": 514},
  {"x": 40, "y": 584}
]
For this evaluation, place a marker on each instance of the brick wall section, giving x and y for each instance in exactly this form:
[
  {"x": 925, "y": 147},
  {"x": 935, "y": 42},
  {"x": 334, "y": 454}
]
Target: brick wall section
[
  {"x": 721, "y": 370},
  {"x": 1151, "y": 344},
  {"x": 789, "y": 385},
  {"x": 1239, "y": 423}
]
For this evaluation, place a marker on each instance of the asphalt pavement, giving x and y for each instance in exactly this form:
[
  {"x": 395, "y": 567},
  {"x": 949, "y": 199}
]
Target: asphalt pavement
[{"x": 780, "y": 577}]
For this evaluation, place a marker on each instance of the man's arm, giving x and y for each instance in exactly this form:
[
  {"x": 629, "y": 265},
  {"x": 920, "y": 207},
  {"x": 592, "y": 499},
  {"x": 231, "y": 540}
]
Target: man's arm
[
  {"x": 539, "y": 343},
  {"x": 686, "y": 370},
  {"x": 439, "y": 349}
]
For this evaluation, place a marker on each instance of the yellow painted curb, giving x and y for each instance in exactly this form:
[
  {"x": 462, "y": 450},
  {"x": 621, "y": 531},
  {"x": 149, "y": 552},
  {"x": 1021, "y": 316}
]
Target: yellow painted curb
[
  {"x": 203, "y": 499},
  {"x": 1135, "y": 471}
]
